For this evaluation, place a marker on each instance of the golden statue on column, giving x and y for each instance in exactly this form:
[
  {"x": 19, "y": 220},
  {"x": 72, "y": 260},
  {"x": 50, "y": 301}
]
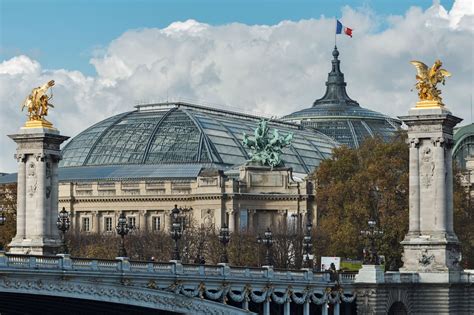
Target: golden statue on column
[
  {"x": 428, "y": 78},
  {"x": 37, "y": 104}
]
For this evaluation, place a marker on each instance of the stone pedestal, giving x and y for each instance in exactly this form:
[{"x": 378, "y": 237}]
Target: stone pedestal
[
  {"x": 431, "y": 244},
  {"x": 370, "y": 274},
  {"x": 38, "y": 154}
]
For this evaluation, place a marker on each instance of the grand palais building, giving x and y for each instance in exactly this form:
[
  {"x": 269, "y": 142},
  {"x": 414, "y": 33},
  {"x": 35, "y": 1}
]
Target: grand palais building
[{"x": 146, "y": 161}]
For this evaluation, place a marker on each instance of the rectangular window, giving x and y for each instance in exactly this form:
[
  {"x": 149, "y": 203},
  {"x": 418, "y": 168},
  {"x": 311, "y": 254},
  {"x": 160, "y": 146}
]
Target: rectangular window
[
  {"x": 156, "y": 223},
  {"x": 86, "y": 224},
  {"x": 108, "y": 224},
  {"x": 132, "y": 221}
]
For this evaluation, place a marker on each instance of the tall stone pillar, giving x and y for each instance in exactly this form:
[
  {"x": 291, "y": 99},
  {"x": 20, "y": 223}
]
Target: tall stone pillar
[
  {"x": 231, "y": 214},
  {"x": 38, "y": 154},
  {"x": 95, "y": 222},
  {"x": 431, "y": 246},
  {"x": 143, "y": 221},
  {"x": 21, "y": 203},
  {"x": 251, "y": 216}
]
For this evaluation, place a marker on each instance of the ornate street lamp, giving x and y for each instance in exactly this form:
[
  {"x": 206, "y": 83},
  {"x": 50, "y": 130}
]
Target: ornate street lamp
[
  {"x": 370, "y": 256},
  {"x": 123, "y": 227},
  {"x": 185, "y": 217},
  {"x": 224, "y": 238},
  {"x": 200, "y": 260},
  {"x": 176, "y": 231},
  {"x": 307, "y": 243},
  {"x": 268, "y": 242},
  {"x": 63, "y": 223}
]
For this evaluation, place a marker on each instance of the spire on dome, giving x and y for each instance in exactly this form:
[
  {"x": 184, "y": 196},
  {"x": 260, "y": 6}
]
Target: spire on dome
[{"x": 336, "y": 87}]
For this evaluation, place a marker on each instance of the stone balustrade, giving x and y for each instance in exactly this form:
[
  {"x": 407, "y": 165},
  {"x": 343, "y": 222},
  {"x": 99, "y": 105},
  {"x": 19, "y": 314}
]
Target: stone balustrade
[{"x": 215, "y": 283}]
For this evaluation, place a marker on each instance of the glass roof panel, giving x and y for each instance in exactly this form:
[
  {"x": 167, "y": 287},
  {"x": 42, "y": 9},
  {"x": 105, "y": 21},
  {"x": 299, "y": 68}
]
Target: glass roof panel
[
  {"x": 177, "y": 139},
  {"x": 125, "y": 142},
  {"x": 77, "y": 150}
]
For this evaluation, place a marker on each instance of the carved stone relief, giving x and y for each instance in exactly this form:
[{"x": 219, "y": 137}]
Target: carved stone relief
[
  {"x": 48, "y": 179},
  {"x": 20, "y": 158},
  {"x": 425, "y": 259},
  {"x": 413, "y": 142},
  {"x": 207, "y": 217},
  {"x": 32, "y": 180},
  {"x": 427, "y": 167}
]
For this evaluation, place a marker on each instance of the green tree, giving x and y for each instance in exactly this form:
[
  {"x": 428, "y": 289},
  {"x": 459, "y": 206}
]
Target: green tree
[
  {"x": 8, "y": 205},
  {"x": 346, "y": 201},
  {"x": 464, "y": 221}
]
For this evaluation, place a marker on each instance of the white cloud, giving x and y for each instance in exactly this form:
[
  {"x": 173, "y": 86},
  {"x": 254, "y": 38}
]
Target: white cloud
[{"x": 275, "y": 69}]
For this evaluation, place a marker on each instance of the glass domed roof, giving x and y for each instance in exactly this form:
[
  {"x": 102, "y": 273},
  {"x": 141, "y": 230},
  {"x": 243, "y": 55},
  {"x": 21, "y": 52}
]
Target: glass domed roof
[
  {"x": 174, "y": 133},
  {"x": 342, "y": 118},
  {"x": 463, "y": 145}
]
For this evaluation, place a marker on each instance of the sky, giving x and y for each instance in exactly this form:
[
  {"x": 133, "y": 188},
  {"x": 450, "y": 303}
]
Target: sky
[{"x": 269, "y": 57}]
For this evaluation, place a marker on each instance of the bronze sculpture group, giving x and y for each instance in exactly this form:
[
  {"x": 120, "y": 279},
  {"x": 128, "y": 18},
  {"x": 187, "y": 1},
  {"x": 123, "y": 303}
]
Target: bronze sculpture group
[{"x": 267, "y": 148}]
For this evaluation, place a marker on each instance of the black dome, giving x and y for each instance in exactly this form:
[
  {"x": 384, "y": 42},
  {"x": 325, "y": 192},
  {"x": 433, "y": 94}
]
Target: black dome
[{"x": 342, "y": 118}]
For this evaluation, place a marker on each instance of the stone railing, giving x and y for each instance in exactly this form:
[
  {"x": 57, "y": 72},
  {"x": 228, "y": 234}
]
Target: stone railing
[
  {"x": 212, "y": 282},
  {"x": 65, "y": 262}
]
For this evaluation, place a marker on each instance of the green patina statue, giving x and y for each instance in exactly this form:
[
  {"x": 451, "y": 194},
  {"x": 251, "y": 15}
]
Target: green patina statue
[{"x": 267, "y": 147}]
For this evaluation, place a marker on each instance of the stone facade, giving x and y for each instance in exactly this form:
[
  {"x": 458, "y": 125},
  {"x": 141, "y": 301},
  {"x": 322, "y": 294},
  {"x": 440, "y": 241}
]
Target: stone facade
[
  {"x": 257, "y": 197},
  {"x": 38, "y": 155}
]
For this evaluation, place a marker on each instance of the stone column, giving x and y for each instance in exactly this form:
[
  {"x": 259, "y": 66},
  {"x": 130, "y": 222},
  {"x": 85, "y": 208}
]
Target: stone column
[
  {"x": 168, "y": 222},
  {"x": 37, "y": 194},
  {"x": 250, "y": 214},
  {"x": 414, "y": 187},
  {"x": 41, "y": 211},
  {"x": 281, "y": 223},
  {"x": 440, "y": 183},
  {"x": 21, "y": 200},
  {"x": 431, "y": 248},
  {"x": 53, "y": 200},
  {"x": 231, "y": 220},
  {"x": 95, "y": 222},
  {"x": 449, "y": 189},
  {"x": 142, "y": 221}
]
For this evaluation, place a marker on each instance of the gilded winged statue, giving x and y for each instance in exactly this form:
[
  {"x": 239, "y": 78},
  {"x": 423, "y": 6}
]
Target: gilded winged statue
[
  {"x": 37, "y": 102},
  {"x": 428, "y": 78}
]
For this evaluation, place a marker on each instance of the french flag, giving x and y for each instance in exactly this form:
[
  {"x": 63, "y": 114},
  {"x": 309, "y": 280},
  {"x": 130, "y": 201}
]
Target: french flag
[{"x": 340, "y": 28}]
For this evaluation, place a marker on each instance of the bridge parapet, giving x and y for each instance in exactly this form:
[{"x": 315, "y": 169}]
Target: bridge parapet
[
  {"x": 65, "y": 262},
  {"x": 98, "y": 279}
]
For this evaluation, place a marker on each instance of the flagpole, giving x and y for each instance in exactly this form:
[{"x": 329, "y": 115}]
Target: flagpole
[{"x": 335, "y": 34}]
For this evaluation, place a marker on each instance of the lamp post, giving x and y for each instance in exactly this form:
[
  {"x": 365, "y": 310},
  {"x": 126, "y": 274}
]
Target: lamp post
[
  {"x": 267, "y": 240},
  {"x": 176, "y": 232},
  {"x": 200, "y": 260},
  {"x": 224, "y": 238},
  {"x": 63, "y": 223},
  {"x": 3, "y": 219},
  {"x": 122, "y": 229},
  {"x": 259, "y": 243},
  {"x": 307, "y": 243},
  {"x": 370, "y": 256}
]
